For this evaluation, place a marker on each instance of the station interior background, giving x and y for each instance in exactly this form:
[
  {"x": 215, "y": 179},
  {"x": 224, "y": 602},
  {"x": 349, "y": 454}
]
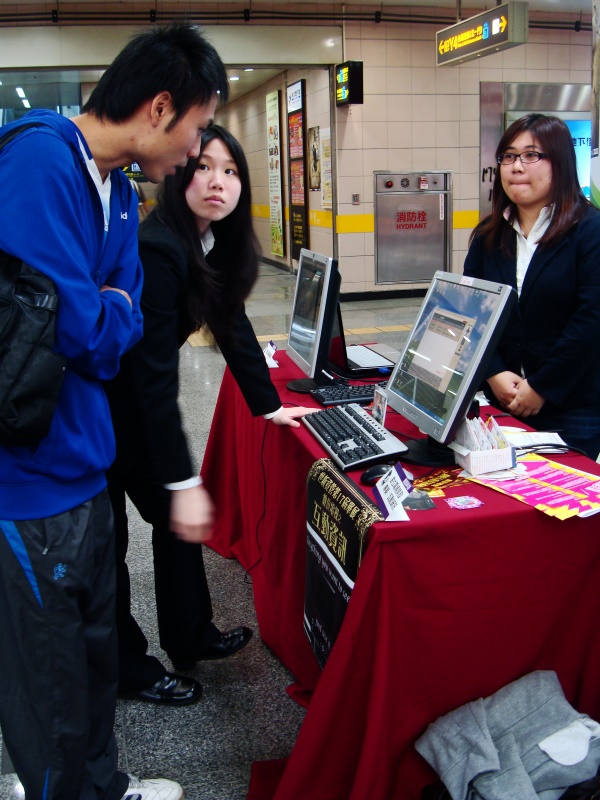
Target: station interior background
[{"x": 415, "y": 116}]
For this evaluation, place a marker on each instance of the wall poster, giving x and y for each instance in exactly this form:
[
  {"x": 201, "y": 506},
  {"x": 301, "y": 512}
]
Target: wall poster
[
  {"x": 297, "y": 182},
  {"x": 274, "y": 173},
  {"x": 314, "y": 157},
  {"x": 296, "y": 135},
  {"x": 326, "y": 176},
  {"x": 296, "y": 122}
]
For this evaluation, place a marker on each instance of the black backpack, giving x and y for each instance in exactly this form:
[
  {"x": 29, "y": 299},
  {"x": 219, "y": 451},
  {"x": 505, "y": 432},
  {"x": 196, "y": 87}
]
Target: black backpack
[{"x": 31, "y": 373}]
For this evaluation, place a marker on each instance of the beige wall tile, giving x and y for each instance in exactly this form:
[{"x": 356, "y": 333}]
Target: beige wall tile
[
  {"x": 375, "y": 108},
  {"x": 400, "y": 134},
  {"x": 448, "y": 134},
  {"x": 422, "y": 108},
  {"x": 374, "y": 53},
  {"x": 423, "y": 80}
]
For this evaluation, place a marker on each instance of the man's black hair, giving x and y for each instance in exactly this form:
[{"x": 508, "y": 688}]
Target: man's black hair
[{"x": 175, "y": 58}]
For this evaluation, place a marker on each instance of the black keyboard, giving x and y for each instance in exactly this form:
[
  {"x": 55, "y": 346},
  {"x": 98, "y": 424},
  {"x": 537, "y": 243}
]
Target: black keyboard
[
  {"x": 343, "y": 393},
  {"x": 351, "y": 436}
]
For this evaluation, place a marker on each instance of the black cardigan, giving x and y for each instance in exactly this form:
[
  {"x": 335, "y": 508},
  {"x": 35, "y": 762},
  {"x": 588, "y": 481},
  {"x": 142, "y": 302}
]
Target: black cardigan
[{"x": 143, "y": 397}]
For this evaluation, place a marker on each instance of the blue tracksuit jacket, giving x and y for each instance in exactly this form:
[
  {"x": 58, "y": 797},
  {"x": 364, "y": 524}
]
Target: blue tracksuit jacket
[{"x": 51, "y": 217}]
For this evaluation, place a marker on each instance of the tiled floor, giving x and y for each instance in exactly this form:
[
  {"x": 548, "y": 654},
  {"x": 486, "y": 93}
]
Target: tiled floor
[{"x": 245, "y": 713}]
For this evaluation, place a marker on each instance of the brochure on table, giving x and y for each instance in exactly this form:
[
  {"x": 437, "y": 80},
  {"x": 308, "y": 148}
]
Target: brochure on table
[{"x": 557, "y": 490}]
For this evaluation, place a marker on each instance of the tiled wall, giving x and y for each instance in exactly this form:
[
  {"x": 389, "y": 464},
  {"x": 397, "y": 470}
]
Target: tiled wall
[
  {"x": 414, "y": 117},
  {"x": 246, "y": 119},
  {"x": 417, "y": 116}
]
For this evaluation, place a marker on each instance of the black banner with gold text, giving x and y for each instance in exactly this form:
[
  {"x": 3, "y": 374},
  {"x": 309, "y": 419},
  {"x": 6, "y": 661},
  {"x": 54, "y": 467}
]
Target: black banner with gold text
[{"x": 338, "y": 517}]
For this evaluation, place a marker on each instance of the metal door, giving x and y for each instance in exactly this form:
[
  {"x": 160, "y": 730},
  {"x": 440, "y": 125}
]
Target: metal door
[{"x": 413, "y": 215}]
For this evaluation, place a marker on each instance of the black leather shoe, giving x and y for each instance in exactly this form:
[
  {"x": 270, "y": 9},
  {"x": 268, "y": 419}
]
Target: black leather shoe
[
  {"x": 172, "y": 690},
  {"x": 226, "y": 645}
]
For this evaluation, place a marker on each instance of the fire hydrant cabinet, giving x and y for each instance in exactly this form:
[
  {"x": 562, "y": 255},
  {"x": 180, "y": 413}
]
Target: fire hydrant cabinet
[{"x": 413, "y": 225}]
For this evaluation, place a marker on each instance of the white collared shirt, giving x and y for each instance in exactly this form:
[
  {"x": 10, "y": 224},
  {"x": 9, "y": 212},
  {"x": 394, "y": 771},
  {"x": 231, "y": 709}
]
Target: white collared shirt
[
  {"x": 526, "y": 245},
  {"x": 207, "y": 240}
]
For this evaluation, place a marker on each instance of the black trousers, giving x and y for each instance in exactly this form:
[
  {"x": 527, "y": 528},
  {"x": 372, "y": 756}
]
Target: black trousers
[
  {"x": 183, "y": 604},
  {"x": 58, "y": 653}
]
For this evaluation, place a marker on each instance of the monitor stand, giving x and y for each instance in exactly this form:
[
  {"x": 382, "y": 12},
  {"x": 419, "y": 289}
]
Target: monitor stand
[{"x": 428, "y": 453}]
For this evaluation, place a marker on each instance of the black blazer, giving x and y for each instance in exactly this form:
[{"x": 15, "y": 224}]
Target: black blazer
[
  {"x": 143, "y": 396},
  {"x": 554, "y": 331}
]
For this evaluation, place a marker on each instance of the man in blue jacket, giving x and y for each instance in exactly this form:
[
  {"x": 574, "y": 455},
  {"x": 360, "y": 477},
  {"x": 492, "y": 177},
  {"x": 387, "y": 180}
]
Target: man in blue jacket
[{"x": 58, "y": 659}]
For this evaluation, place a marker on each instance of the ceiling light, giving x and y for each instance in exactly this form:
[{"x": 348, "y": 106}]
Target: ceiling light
[
  {"x": 20, "y": 92},
  {"x": 249, "y": 69},
  {"x": 234, "y": 78},
  {"x": 26, "y": 103}
]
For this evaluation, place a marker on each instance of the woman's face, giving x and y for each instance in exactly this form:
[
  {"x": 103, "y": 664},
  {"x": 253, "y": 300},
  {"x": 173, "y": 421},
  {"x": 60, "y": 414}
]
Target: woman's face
[
  {"x": 215, "y": 189},
  {"x": 529, "y": 186}
]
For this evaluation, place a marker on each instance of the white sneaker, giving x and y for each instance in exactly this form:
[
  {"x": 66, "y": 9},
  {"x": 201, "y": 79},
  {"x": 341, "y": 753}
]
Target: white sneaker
[{"x": 157, "y": 789}]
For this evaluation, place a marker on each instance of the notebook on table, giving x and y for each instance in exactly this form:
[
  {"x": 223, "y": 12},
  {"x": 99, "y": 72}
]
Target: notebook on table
[{"x": 358, "y": 360}]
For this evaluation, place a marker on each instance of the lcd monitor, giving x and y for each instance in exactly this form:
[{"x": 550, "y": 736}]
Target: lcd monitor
[
  {"x": 313, "y": 313},
  {"x": 443, "y": 362}
]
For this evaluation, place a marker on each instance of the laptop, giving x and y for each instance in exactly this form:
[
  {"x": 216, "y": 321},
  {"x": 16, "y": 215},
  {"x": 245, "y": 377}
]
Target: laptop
[{"x": 358, "y": 360}]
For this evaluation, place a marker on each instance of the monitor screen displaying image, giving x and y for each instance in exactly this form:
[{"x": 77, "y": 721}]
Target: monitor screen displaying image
[
  {"x": 313, "y": 313},
  {"x": 443, "y": 362}
]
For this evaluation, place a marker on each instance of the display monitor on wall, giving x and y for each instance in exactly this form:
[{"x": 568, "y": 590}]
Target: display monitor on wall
[
  {"x": 443, "y": 362},
  {"x": 313, "y": 313}
]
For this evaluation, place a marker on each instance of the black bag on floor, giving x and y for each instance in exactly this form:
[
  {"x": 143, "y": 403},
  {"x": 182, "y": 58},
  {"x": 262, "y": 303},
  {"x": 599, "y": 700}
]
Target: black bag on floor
[
  {"x": 435, "y": 791},
  {"x": 31, "y": 373},
  {"x": 586, "y": 790}
]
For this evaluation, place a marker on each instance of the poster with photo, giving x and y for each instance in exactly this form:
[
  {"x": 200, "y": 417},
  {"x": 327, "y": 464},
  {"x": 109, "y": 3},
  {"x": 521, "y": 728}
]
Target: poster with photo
[
  {"x": 297, "y": 182},
  {"x": 296, "y": 101},
  {"x": 274, "y": 173},
  {"x": 314, "y": 159},
  {"x": 326, "y": 176},
  {"x": 296, "y": 135}
]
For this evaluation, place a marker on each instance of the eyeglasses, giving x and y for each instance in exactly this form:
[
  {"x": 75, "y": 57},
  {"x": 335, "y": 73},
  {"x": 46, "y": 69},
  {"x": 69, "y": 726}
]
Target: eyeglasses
[{"x": 528, "y": 157}]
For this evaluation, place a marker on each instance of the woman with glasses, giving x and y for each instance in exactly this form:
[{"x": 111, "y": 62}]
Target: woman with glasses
[{"x": 543, "y": 238}]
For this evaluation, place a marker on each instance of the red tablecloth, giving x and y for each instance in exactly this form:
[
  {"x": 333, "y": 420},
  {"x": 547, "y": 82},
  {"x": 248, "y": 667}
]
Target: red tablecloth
[{"x": 447, "y": 608}]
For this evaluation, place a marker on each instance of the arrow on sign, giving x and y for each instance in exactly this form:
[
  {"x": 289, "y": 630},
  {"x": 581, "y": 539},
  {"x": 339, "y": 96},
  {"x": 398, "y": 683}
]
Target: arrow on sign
[{"x": 502, "y": 24}]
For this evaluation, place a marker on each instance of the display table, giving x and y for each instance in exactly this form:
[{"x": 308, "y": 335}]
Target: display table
[{"x": 448, "y": 607}]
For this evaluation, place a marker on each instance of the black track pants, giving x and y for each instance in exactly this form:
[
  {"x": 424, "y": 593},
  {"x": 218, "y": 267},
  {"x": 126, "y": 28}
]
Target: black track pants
[{"x": 58, "y": 653}]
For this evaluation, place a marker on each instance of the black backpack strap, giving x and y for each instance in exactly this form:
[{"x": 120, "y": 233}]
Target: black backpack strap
[{"x": 8, "y": 137}]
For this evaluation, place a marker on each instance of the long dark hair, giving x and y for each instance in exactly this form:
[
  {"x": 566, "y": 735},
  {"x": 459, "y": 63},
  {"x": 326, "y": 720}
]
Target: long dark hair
[
  {"x": 220, "y": 282},
  {"x": 567, "y": 198}
]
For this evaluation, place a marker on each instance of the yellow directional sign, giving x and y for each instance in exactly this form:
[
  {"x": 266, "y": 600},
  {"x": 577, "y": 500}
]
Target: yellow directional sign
[{"x": 504, "y": 26}]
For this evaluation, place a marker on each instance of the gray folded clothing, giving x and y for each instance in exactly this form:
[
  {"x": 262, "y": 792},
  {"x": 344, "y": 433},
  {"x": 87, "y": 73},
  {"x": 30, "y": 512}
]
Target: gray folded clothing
[{"x": 490, "y": 748}]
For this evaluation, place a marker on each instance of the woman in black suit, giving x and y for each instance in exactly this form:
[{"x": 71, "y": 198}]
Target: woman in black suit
[
  {"x": 543, "y": 238},
  {"x": 200, "y": 259}
]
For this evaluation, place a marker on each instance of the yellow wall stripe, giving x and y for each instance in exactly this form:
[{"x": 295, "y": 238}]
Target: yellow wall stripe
[
  {"x": 465, "y": 219},
  {"x": 321, "y": 219},
  {"x": 355, "y": 223},
  {"x": 264, "y": 212},
  {"x": 362, "y": 223}
]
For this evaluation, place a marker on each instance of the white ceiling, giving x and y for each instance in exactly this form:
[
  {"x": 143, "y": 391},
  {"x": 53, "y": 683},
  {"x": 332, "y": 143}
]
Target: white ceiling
[{"x": 56, "y": 88}]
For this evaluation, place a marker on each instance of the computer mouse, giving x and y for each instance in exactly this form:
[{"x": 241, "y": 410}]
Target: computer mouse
[{"x": 371, "y": 475}]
